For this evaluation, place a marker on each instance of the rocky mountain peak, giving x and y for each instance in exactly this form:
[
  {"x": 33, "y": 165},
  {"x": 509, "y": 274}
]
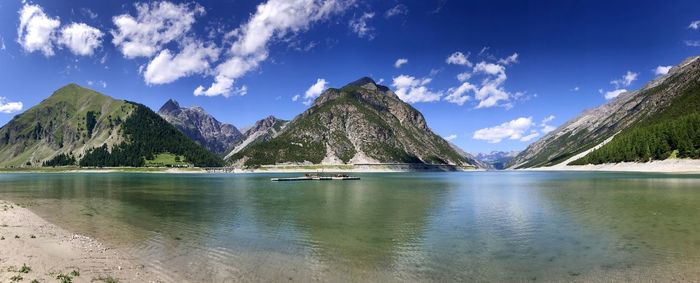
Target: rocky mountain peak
[
  {"x": 170, "y": 106},
  {"x": 368, "y": 83}
]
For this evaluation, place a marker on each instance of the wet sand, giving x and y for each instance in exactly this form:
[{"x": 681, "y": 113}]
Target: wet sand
[{"x": 50, "y": 251}]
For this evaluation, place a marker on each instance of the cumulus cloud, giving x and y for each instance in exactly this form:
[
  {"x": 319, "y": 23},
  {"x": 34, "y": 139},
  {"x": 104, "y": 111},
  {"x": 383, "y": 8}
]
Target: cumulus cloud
[
  {"x": 399, "y": 62},
  {"x": 360, "y": 27},
  {"x": 546, "y": 128},
  {"x": 412, "y": 90},
  {"x": 464, "y": 76},
  {"x": 81, "y": 39},
  {"x": 460, "y": 95},
  {"x": 626, "y": 80},
  {"x": 8, "y": 107},
  {"x": 614, "y": 93},
  {"x": 450, "y": 137},
  {"x": 399, "y": 9},
  {"x": 155, "y": 25},
  {"x": 514, "y": 130},
  {"x": 490, "y": 91},
  {"x": 620, "y": 84},
  {"x": 662, "y": 70},
  {"x": 314, "y": 91},
  {"x": 694, "y": 25},
  {"x": 272, "y": 19},
  {"x": 509, "y": 60},
  {"x": 296, "y": 97},
  {"x": 167, "y": 67},
  {"x": 458, "y": 58},
  {"x": 36, "y": 30}
]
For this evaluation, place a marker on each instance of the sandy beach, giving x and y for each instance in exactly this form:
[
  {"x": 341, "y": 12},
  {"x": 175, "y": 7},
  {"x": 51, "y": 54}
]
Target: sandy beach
[
  {"x": 689, "y": 166},
  {"x": 33, "y": 249}
]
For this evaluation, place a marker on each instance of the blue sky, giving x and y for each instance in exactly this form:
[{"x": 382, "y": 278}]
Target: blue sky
[{"x": 489, "y": 75}]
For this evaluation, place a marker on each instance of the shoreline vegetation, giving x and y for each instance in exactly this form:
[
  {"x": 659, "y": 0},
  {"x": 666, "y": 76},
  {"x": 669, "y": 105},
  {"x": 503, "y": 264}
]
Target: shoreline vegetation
[
  {"x": 35, "y": 249},
  {"x": 691, "y": 166},
  {"x": 286, "y": 168}
]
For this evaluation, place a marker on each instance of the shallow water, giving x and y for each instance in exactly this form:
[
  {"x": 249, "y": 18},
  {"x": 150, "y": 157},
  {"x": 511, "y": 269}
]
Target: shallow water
[{"x": 475, "y": 226}]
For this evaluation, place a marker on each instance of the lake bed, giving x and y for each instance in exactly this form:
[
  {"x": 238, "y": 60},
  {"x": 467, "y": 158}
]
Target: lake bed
[{"x": 457, "y": 226}]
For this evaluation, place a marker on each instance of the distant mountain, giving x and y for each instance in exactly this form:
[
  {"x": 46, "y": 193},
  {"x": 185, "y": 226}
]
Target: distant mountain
[
  {"x": 498, "y": 160},
  {"x": 76, "y": 125},
  {"x": 263, "y": 130},
  {"x": 470, "y": 158},
  {"x": 360, "y": 123},
  {"x": 656, "y": 122},
  {"x": 201, "y": 127}
]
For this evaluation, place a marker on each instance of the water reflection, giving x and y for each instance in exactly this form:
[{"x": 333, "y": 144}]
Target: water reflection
[{"x": 481, "y": 226}]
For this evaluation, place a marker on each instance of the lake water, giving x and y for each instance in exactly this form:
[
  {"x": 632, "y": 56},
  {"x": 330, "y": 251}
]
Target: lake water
[{"x": 474, "y": 226}]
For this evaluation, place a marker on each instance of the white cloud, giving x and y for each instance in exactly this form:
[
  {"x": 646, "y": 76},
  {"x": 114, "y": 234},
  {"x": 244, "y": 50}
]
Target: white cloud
[
  {"x": 272, "y": 19},
  {"x": 360, "y": 27},
  {"x": 315, "y": 90},
  {"x": 514, "y": 130},
  {"x": 491, "y": 91},
  {"x": 412, "y": 90},
  {"x": 509, "y": 60},
  {"x": 626, "y": 80},
  {"x": 662, "y": 70},
  {"x": 458, "y": 58},
  {"x": 103, "y": 84},
  {"x": 694, "y": 25},
  {"x": 576, "y": 88},
  {"x": 464, "y": 76},
  {"x": 692, "y": 43},
  {"x": 296, "y": 97},
  {"x": 450, "y": 137},
  {"x": 533, "y": 134},
  {"x": 9, "y": 107},
  {"x": 399, "y": 62},
  {"x": 194, "y": 58},
  {"x": 614, "y": 93},
  {"x": 460, "y": 94},
  {"x": 548, "y": 119},
  {"x": 2, "y": 44},
  {"x": 546, "y": 128},
  {"x": 155, "y": 25},
  {"x": 36, "y": 30},
  {"x": 81, "y": 39},
  {"x": 397, "y": 10}
]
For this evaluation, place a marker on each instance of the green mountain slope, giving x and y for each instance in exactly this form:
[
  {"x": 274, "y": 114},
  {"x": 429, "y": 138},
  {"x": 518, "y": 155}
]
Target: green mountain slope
[
  {"x": 655, "y": 122},
  {"x": 76, "y": 122},
  {"x": 360, "y": 123}
]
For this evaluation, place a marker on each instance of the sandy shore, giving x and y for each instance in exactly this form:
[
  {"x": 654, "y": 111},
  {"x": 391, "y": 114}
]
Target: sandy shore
[
  {"x": 690, "y": 166},
  {"x": 48, "y": 251}
]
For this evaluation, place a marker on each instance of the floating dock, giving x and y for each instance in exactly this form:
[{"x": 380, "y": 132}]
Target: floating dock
[{"x": 315, "y": 178}]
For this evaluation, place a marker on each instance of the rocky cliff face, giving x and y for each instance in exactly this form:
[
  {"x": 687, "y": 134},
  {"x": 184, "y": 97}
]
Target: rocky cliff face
[
  {"x": 360, "y": 123},
  {"x": 599, "y": 125},
  {"x": 201, "y": 127},
  {"x": 262, "y": 131}
]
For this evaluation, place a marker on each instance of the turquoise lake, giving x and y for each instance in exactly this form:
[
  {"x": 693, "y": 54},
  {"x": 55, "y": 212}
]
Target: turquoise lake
[{"x": 388, "y": 227}]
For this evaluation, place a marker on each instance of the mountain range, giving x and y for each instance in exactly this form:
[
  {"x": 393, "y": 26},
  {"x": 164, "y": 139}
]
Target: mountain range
[
  {"x": 498, "y": 160},
  {"x": 76, "y": 125},
  {"x": 359, "y": 123},
  {"x": 201, "y": 127},
  {"x": 656, "y": 122},
  {"x": 362, "y": 122}
]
